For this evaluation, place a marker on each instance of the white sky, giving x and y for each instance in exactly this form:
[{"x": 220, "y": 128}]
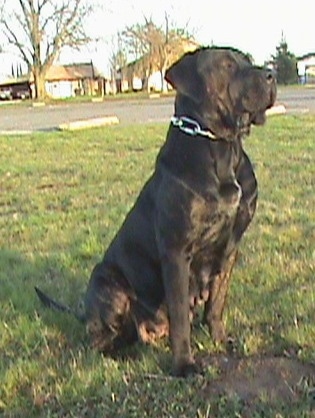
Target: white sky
[{"x": 250, "y": 25}]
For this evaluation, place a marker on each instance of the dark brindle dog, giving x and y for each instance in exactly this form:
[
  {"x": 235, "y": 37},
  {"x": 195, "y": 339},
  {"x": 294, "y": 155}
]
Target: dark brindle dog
[{"x": 178, "y": 244}]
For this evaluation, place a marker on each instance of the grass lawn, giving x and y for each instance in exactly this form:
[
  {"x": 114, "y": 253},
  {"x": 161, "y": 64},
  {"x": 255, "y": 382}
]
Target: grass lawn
[{"x": 62, "y": 198}]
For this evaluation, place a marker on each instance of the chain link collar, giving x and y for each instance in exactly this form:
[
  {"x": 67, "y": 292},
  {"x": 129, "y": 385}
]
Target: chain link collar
[{"x": 191, "y": 127}]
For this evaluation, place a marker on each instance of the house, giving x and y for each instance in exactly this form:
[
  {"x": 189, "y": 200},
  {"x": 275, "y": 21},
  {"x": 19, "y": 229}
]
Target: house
[
  {"x": 306, "y": 68},
  {"x": 74, "y": 80},
  {"x": 61, "y": 81}
]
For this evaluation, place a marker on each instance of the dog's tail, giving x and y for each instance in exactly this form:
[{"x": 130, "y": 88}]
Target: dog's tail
[{"x": 48, "y": 302}]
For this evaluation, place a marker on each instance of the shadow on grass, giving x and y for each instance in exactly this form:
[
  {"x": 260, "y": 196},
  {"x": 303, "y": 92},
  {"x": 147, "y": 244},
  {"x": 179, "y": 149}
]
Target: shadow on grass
[{"x": 18, "y": 277}]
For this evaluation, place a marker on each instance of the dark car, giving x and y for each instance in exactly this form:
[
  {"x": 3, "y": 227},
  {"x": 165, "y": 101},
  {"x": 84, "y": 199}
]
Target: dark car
[
  {"x": 6, "y": 94},
  {"x": 22, "y": 94}
]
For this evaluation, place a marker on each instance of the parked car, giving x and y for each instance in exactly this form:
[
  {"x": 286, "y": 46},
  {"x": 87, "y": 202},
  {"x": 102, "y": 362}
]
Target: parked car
[
  {"x": 22, "y": 94},
  {"x": 6, "y": 94}
]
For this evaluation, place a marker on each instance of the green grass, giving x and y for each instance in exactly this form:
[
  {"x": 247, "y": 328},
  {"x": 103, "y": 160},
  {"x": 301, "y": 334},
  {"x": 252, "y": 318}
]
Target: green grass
[{"x": 63, "y": 197}]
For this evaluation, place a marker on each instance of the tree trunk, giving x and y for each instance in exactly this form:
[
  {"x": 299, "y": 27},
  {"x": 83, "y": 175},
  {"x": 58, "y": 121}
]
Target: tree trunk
[
  {"x": 164, "y": 88},
  {"x": 39, "y": 83},
  {"x": 145, "y": 81}
]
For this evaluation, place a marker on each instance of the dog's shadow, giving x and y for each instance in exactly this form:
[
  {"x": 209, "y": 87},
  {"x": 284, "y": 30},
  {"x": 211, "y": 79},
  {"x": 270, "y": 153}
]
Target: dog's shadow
[{"x": 18, "y": 277}]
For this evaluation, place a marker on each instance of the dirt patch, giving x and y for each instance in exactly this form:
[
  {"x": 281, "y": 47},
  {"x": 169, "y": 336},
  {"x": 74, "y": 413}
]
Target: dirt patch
[{"x": 278, "y": 379}]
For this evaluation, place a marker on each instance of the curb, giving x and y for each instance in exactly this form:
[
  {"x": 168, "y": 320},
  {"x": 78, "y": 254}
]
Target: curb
[
  {"x": 15, "y": 132},
  {"x": 97, "y": 99},
  {"x": 154, "y": 96},
  {"x": 38, "y": 104},
  {"x": 276, "y": 110},
  {"x": 88, "y": 123}
]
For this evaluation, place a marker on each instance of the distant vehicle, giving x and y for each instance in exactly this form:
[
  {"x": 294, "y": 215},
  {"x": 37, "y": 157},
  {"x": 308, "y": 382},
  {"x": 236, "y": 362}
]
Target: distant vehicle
[
  {"x": 15, "y": 90},
  {"x": 22, "y": 94},
  {"x": 6, "y": 94}
]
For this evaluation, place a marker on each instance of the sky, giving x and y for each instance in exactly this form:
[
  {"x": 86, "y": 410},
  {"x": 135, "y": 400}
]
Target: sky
[{"x": 253, "y": 26}]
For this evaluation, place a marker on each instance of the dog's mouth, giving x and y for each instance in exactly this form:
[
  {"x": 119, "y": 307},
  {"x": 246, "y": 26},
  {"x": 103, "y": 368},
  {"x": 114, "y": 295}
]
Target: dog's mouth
[
  {"x": 254, "y": 111},
  {"x": 247, "y": 119},
  {"x": 258, "y": 118},
  {"x": 243, "y": 123},
  {"x": 257, "y": 95}
]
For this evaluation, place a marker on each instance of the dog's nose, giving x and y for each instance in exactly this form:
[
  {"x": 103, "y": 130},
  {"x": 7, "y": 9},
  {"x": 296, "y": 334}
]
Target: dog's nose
[{"x": 270, "y": 75}]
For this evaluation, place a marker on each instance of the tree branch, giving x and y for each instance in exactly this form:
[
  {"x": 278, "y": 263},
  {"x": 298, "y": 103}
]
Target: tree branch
[{"x": 41, "y": 28}]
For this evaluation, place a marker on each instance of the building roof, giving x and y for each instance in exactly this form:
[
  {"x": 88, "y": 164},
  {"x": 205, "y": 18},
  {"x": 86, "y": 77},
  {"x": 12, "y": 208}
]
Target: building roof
[
  {"x": 12, "y": 81},
  {"x": 306, "y": 56},
  {"x": 72, "y": 72},
  {"x": 68, "y": 72}
]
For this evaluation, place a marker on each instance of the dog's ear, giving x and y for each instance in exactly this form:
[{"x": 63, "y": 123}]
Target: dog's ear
[{"x": 184, "y": 77}]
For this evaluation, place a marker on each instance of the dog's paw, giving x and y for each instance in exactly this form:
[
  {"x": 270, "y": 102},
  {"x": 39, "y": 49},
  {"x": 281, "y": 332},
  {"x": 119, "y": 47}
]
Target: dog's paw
[
  {"x": 185, "y": 369},
  {"x": 217, "y": 332}
]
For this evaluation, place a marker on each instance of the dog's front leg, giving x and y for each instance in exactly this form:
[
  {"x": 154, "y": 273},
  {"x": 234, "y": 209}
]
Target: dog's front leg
[
  {"x": 176, "y": 284},
  {"x": 214, "y": 307}
]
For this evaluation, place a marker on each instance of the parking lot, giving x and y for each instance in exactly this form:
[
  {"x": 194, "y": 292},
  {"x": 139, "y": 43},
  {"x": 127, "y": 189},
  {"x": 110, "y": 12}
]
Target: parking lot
[{"x": 25, "y": 117}]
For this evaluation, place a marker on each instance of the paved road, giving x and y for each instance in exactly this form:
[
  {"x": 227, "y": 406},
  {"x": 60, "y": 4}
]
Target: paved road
[
  {"x": 297, "y": 100},
  {"x": 28, "y": 118},
  {"x": 24, "y": 118}
]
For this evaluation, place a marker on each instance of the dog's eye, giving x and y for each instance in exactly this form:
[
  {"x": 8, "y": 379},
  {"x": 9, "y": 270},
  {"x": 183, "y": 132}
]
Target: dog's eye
[{"x": 229, "y": 65}]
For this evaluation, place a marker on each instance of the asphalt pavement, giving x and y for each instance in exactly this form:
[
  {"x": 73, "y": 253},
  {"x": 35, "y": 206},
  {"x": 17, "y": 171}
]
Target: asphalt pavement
[{"x": 26, "y": 118}]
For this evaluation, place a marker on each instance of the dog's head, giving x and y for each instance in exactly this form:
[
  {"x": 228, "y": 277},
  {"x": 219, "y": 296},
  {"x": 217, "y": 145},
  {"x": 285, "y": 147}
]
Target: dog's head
[{"x": 222, "y": 90}]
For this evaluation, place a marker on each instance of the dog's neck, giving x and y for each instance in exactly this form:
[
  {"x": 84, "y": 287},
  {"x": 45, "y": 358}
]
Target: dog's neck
[
  {"x": 191, "y": 127},
  {"x": 212, "y": 118}
]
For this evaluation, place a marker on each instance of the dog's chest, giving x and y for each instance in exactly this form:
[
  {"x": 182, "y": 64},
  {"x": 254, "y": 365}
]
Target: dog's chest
[
  {"x": 214, "y": 209},
  {"x": 212, "y": 217}
]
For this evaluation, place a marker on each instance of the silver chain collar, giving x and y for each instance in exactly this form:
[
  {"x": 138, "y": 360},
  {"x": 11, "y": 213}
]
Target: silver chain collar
[{"x": 191, "y": 127}]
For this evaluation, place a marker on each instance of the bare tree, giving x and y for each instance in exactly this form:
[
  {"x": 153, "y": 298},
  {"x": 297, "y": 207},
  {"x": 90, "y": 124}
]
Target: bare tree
[
  {"x": 140, "y": 40},
  {"x": 172, "y": 45},
  {"x": 155, "y": 47},
  {"x": 39, "y": 29},
  {"x": 117, "y": 60}
]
